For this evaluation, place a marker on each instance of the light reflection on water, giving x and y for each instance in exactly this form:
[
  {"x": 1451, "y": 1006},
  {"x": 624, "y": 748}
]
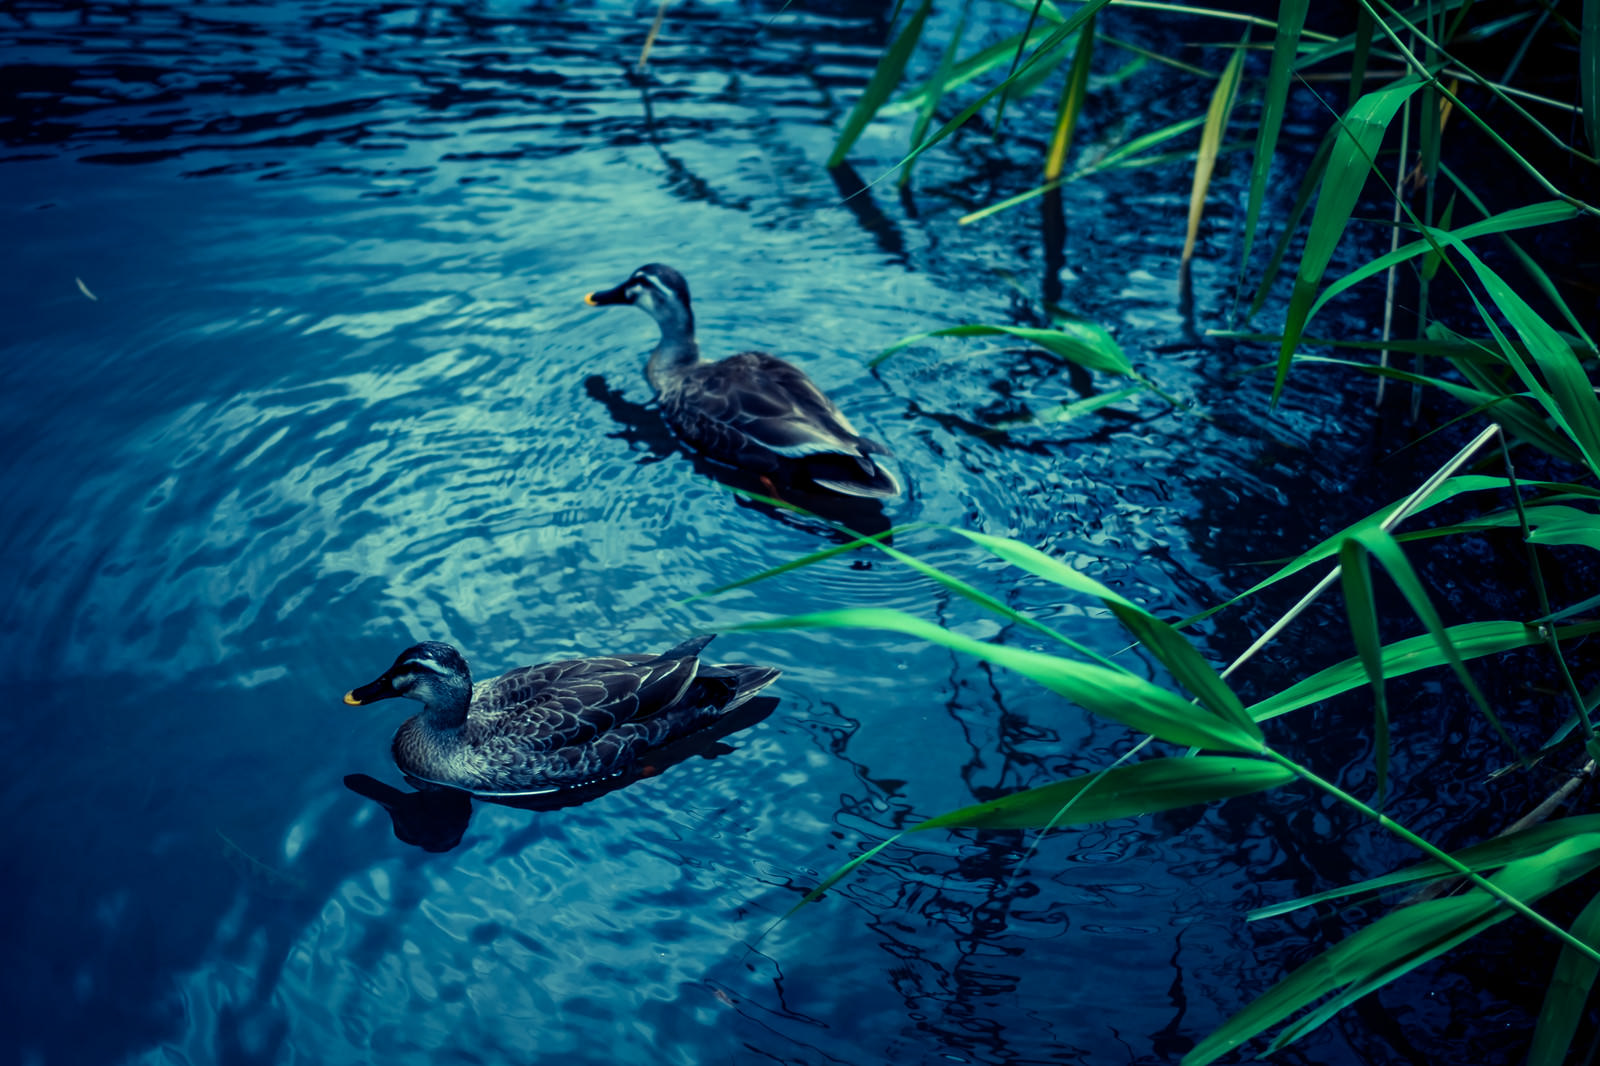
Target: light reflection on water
[{"x": 338, "y": 392}]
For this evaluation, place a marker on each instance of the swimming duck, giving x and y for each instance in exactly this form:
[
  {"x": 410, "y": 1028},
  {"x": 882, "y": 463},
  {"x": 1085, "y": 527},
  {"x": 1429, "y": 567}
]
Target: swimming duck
[
  {"x": 558, "y": 725},
  {"x": 752, "y": 411}
]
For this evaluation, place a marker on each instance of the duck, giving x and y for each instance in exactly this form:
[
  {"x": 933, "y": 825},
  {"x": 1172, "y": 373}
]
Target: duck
[
  {"x": 752, "y": 411},
  {"x": 558, "y": 725}
]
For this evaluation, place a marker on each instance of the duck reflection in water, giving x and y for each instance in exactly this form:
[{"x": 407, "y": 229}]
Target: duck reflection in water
[{"x": 548, "y": 736}]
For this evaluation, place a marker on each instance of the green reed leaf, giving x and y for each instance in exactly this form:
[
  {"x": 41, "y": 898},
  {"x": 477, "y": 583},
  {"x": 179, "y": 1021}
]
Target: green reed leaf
[
  {"x": 1362, "y": 609},
  {"x": 1566, "y": 391},
  {"x": 1116, "y": 694},
  {"x": 1217, "y": 115},
  {"x": 1393, "y": 946},
  {"x": 882, "y": 83},
  {"x": 1285, "y": 46},
  {"x": 1124, "y": 792},
  {"x": 1072, "y": 99},
  {"x": 1387, "y": 551},
  {"x": 1360, "y": 132},
  {"x": 1489, "y": 855},
  {"x": 1472, "y": 640},
  {"x": 936, "y": 86},
  {"x": 969, "y": 69},
  {"x": 1541, "y": 214},
  {"x": 1567, "y": 996}
]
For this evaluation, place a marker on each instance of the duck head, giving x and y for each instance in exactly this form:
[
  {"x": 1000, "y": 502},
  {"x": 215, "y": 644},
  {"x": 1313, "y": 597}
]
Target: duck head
[
  {"x": 659, "y": 290},
  {"x": 432, "y": 673}
]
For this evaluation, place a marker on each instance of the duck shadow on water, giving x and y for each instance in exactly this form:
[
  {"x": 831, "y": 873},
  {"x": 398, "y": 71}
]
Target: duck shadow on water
[
  {"x": 643, "y": 428},
  {"x": 435, "y": 819}
]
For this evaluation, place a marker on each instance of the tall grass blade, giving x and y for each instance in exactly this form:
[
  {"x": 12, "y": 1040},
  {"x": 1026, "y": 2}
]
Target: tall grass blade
[
  {"x": 1119, "y": 695},
  {"x": 1361, "y": 49},
  {"x": 1472, "y": 640},
  {"x": 1526, "y": 217},
  {"x": 936, "y": 84},
  {"x": 1122, "y": 156},
  {"x": 1217, "y": 114},
  {"x": 1491, "y": 854},
  {"x": 1388, "y": 552},
  {"x": 882, "y": 83},
  {"x": 1393, "y": 946},
  {"x": 1125, "y": 792},
  {"x": 973, "y": 67},
  {"x": 1533, "y": 269},
  {"x": 1355, "y": 573},
  {"x": 1568, "y": 993},
  {"x": 1028, "y": 69},
  {"x": 1434, "y": 257},
  {"x": 1000, "y": 106},
  {"x": 1291, "y": 19},
  {"x": 1085, "y": 343},
  {"x": 1566, "y": 393},
  {"x": 1072, "y": 98},
  {"x": 1329, "y": 547},
  {"x": 1174, "y": 652},
  {"x": 1291, "y": 224},
  {"x": 1360, "y": 132}
]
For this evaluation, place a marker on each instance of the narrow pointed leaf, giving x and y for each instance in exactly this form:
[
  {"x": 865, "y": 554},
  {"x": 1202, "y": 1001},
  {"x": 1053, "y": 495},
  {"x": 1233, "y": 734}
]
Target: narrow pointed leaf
[
  {"x": 1393, "y": 946},
  {"x": 1490, "y": 855},
  {"x": 1217, "y": 114},
  {"x": 975, "y": 66},
  {"x": 936, "y": 84},
  {"x": 1472, "y": 640},
  {"x": 1361, "y": 607},
  {"x": 1124, "y": 792},
  {"x": 1388, "y": 552},
  {"x": 881, "y": 84},
  {"x": 1118, "y": 695},
  {"x": 1291, "y": 19},
  {"x": 1568, "y": 993},
  {"x": 1360, "y": 132},
  {"x": 1180, "y": 658},
  {"x": 1072, "y": 98},
  {"x": 1542, "y": 214}
]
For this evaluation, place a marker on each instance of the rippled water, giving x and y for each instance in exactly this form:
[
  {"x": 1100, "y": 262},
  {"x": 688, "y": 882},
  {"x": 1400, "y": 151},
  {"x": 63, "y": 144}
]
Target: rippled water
[{"x": 297, "y": 371}]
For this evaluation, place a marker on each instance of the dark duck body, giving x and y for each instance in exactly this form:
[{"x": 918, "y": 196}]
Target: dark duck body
[
  {"x": 558, "y": 725},
  {"x": 752, "y": 411}
]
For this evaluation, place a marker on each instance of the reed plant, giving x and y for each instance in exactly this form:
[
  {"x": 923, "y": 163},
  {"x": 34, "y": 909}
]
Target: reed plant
[{"x": 1520, "y": 375}]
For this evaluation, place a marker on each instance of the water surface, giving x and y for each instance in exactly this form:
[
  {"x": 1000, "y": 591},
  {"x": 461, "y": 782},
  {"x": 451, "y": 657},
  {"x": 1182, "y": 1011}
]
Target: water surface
[{"x": 297, "y": 372}]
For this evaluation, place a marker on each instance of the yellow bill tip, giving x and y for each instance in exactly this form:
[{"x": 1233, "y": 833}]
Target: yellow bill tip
[
  {"x": 350, "y": 698},
  {"x": 589, "y": 299}
]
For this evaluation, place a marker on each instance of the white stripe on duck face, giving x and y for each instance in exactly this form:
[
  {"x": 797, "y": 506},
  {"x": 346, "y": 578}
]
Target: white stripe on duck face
[
  {"x": 428, "y": 664},
  {"x": 656, "y": 284}
]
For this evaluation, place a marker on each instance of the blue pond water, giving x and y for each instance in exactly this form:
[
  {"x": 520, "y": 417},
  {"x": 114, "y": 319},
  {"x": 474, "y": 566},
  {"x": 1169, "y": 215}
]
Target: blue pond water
[{"x": 296, "y": 371}]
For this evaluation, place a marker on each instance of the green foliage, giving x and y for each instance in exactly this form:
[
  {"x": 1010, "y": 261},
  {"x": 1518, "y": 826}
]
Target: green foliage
[{"x": 1529, "y": 380}]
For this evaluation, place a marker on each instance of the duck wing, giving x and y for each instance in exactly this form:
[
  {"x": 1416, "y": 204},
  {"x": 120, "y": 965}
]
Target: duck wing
[
  {"x": 758, "y": 399},
  {"x": 574, "y": 701}
]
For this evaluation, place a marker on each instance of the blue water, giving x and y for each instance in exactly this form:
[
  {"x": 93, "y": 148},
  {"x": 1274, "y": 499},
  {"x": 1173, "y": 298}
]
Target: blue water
[{"x": 296, "y": 371}]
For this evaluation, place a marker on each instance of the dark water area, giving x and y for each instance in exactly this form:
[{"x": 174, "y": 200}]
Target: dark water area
[{"x": 296, "y": 371}]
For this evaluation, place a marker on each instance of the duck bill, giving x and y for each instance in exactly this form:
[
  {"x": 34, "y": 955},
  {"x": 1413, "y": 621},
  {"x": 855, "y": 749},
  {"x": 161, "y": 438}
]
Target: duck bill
[
  {"x": 618, "y": 295},
  {"x": 380, "y": 689}
]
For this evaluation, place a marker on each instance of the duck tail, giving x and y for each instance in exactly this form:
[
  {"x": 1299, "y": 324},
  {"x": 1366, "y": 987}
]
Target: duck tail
[
  {"x": 689, "y": 649},
  {"x": 727, "y": 685},
  {"x": 869, "y": 480}
]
